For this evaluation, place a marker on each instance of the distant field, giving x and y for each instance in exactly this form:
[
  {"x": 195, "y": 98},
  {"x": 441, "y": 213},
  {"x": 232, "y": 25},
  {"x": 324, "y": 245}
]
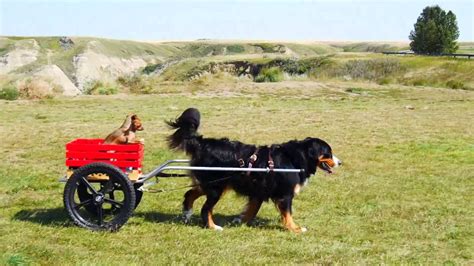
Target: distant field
[{"x": 403, "y": 196}]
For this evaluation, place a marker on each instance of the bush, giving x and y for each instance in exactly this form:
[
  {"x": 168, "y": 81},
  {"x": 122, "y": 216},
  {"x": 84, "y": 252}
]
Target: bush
[
  {"x": 99, "y": 88},
  {"x": 35, "y": 89},
  {"x": 384, "y": 81},
  {"x": 273, "y": 74},
  {"x": 235, "y": 49},
  {"x": 419, "y": 82},
  {"x": 135, "y": 84},
  {"x": 151, "y": 68},
  {"x": 267, "y": 47},
  {"x": 9, "y": 93},
  {"x": 456, "y": 85},
  {"x": 370, "y": 69}
]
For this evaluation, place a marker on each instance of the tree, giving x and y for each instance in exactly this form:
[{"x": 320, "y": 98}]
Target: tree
[{"x": 435, "y": 32}]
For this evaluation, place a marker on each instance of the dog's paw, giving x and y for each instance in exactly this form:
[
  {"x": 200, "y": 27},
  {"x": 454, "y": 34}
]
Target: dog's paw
[
  {"x": 297, "y": 229},
  {"x": 300, "y": 230},
  {"x": 141, "y": 141},
  {"x": 237, "y": 220},
  {"x": 217, "y": 228},
  {"x": 187, "y": 215}
]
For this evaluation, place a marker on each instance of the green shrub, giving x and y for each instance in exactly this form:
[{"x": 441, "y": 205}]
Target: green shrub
[
  {"x": 135, "y": 84},
  {"x": 150, "y": 68},
  {"x": 294, "y": 66},
  {"x": 267, "y": 47},
  {"x": 273, "y": 74},
  {"x": 370, "y": 69},
  {"x": 235, "y": 49},
  {"x": 35, "y": 89},
  {"x": 356, "y": 90},
  {"x": 9, "y": 93},
  {"x": 455, "y": 85},
  {"x": 419, "y": 82},
  {"x": 107, "y": 90},
  {"x": 384, "y": 81},
  {"x": 99, "y": 88}
]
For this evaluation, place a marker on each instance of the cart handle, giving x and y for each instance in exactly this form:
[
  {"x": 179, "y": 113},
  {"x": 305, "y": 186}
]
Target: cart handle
[{"x": 165, "y": 166}]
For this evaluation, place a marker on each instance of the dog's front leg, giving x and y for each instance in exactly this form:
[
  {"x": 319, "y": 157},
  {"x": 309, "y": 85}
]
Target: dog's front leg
[
  {"x": 206, "y": 211},
  {"x": 284, "y": 206}
]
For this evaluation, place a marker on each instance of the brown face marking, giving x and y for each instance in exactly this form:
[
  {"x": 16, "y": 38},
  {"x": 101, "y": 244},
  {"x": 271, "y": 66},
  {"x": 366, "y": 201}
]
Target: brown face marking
[{"x": 328, "y": 161}]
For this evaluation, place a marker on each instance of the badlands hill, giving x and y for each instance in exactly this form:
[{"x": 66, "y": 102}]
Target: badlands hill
[
  {"x": 73, "y": 63},
  {"x": 78, "y": 65}
]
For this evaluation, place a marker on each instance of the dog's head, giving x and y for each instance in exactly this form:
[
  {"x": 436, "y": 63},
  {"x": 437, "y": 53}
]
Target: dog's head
[
  {"x": 132, "y": 123},
  {"x": 319, "y": 151},
  {"x": 136, "y": 124}
]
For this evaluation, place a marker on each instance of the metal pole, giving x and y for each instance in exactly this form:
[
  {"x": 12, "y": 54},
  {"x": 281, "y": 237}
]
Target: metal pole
[
  {"x": 164, "y": 167},
  {"x": 232, "y": 169}
]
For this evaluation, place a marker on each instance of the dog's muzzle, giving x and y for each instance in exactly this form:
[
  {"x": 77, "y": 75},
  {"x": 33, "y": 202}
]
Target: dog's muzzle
[{"x": 326, "y": 164}]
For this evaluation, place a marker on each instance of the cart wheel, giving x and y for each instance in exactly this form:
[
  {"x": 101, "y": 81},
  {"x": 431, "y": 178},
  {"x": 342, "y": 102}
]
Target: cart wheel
[
  {"x": 85, "y": 194},
  {"x": 99, "y": 205}
]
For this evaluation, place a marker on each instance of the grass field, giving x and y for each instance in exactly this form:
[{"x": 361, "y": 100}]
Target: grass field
[{"x": 403, "y": 196}]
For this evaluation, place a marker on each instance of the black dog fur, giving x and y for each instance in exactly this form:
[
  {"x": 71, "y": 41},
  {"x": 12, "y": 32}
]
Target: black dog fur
[{"x": 307, "y": 154}]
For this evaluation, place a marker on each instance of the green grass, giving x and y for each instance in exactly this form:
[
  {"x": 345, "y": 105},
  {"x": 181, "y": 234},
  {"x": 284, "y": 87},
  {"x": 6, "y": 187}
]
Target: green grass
[{"x": 403, "y": 196}]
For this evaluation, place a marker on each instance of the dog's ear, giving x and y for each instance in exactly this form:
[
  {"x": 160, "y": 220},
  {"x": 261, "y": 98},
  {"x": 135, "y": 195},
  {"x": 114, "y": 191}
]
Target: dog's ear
[
  {"x": 134, "y": 117},
  {"x": 128, "y": 121}
]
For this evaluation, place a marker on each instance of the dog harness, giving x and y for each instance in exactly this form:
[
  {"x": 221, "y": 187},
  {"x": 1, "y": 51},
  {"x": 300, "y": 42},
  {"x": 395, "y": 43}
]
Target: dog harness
[{"x": 253, "y": 158}]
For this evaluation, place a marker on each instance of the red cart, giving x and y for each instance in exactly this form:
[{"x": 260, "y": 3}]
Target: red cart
[{"x": 105, "y": 183}]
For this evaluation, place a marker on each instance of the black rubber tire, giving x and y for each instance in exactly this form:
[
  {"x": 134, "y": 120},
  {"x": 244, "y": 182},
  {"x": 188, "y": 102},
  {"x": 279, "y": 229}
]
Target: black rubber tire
[{"x": 84, "y": 210}]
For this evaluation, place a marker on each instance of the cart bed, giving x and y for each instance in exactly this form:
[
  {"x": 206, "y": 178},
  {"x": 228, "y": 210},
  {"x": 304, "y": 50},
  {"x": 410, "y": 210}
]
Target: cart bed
[{"x": 80, "y": 152}]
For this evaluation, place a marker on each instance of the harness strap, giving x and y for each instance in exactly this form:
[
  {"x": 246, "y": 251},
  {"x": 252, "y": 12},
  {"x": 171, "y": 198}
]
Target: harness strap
[
  {"x": 253, "y": 158},
  {"x": 271, "y": 163}
]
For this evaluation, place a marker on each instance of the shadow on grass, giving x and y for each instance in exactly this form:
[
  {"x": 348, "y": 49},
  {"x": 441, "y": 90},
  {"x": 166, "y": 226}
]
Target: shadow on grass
[
  {"x": 59, "y": 217},
  {"x": 222, "y": 220},
  {"x": 49, "y": 217}
]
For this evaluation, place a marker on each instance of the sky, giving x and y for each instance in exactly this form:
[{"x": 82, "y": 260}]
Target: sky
[{"x": 318, "y": 20}]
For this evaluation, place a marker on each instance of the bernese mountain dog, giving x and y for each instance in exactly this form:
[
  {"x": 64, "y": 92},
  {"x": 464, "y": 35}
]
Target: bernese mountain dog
[{"x": 308, "y": 154}]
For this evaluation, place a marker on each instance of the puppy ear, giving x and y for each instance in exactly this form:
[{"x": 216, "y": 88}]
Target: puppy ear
[
  {"x": 134, "y": 116},
  {"x": 128, "y": 121}
]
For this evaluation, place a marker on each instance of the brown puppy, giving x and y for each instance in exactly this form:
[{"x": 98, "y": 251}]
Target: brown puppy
[{"x": 126, "y": 133}]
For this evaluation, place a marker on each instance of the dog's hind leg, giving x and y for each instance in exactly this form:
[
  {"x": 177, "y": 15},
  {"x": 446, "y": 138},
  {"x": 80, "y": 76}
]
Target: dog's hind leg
[
  {"x": 284, "y": 206},
  {"x": 189, "y": 197},
  {"x": 213, "y": 197},
  {"x": 250, "y": 211}
]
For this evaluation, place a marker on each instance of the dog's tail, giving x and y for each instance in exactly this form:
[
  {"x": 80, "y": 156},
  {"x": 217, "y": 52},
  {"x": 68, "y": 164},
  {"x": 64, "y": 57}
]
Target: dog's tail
[{"x": 185, "y": 136}]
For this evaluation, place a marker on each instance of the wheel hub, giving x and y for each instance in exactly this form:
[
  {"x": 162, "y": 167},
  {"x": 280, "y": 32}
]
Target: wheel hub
[{"x": 99, "y": 198}]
